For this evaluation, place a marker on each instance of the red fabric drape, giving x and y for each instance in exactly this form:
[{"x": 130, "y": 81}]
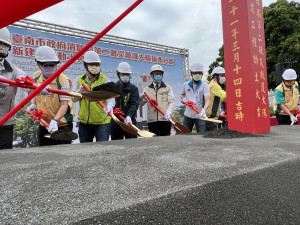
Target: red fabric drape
[{"x": 15, "y": 10}]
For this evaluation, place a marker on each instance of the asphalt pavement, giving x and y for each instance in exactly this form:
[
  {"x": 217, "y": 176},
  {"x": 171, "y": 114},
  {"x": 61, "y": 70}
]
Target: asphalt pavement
[{"x": 180, "y": 179}]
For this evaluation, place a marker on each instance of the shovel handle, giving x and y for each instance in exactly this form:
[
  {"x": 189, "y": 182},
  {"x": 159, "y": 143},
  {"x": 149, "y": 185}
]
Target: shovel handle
[
  {"x": 100, "y": 103},
  {"x": 122, "y": 118},
  {"x": 34, "y": 86},
  {"x": 149, "y": 100},
  {"x": 15, "y": 84},
  {"x": 192, "y": 107}
]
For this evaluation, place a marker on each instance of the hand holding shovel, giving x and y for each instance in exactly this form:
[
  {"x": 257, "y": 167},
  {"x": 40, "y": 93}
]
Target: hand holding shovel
[
  {"x": 122, "y": 125},
  {"x": 28, "y": 82},
  {"x": 64, "y": 134},
  {"x": 141, "y": 133},
  {"x": 177, "y": 126},
  {"x": 191, "y": 105}
]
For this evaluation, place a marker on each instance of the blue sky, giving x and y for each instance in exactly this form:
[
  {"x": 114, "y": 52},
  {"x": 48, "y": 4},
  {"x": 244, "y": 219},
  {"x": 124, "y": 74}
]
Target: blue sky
[{"x": 192, "y": 24}]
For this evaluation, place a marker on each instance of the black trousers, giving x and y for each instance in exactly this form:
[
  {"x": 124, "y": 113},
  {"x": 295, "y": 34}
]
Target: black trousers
[
  {"x": 284, "y": 119},
  {"x": 160, "y": 128},
  {"x": 43, "y": 141},
  {"x": 6, "y": 136},
  {"x": 116, "y": 133}
]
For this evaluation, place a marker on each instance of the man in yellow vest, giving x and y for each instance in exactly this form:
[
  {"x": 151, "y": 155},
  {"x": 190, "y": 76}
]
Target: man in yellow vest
[
  {"x": 164, "y": 95},
  {"x": 216, "y": 96},
  {"x": 58, "y": 109},
  {"x": 94, "y": 121},
  {"x": 286, "y": 98}
]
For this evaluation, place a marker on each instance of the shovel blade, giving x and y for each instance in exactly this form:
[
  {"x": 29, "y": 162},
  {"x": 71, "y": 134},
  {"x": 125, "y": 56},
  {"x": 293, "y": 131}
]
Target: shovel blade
[
  {"x": 181, "y": 128},
  {"x": 127, "y": 128},
  {"x": 145, "y": 134},
  {"x": 64, "y": 134},
  {"x": 99, "y": 95}
]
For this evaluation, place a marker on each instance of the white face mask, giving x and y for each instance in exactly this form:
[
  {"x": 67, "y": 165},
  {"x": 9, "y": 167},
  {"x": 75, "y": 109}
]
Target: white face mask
[
  {"x": 124, "y": 79},
  {"x": 222, "y": 80},
  {"x": 94, "y": 70},
  {"x": 48, "y": 71},
  {"x": 197, "y": 76}
]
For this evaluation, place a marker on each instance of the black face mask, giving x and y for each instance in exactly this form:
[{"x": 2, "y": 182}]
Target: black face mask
[{"x": 4, "y": 50}]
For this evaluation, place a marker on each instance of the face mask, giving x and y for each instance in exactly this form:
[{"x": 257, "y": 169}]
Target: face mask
[
  {"x": 94, "y": 70},
  {"x": 222, "y": 80},
  {"x": 124, "y": 79},
  {"x": 197, "y": 77},
  {"x": 48, "y": 71},
  {"x": 158, "y": 78},
  {"x": 3, "y": 51}
]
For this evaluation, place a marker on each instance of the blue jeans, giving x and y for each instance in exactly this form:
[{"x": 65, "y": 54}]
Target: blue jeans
[
  {"x": 87, "y": 132},
  {"x": 189, "y": 123}
]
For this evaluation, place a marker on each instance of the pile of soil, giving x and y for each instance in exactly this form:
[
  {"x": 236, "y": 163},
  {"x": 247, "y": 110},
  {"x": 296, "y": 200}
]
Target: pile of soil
[{"x": 224, "y": 133}]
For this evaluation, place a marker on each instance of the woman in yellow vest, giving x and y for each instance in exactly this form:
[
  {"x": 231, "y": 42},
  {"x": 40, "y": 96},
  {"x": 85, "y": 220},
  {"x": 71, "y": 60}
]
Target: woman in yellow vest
[
  {"x": 216, "y": 96},
  {"x": 94, "y": 121},
  {"x": 58, "y": 109},
  {"x": 286, "y": 98}
]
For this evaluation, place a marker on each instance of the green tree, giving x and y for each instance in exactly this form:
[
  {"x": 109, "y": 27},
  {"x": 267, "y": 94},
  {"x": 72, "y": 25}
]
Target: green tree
[
  {"x": 25, "y": 129},
  {"x": 179, "y": 112},
  {"x": 282, "y": 36}
]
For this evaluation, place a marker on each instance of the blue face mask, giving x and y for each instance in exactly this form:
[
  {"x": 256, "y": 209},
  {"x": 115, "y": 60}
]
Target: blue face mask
[
  {"x": 158, "y": 78},
  {"x": 48, "y": 71}
]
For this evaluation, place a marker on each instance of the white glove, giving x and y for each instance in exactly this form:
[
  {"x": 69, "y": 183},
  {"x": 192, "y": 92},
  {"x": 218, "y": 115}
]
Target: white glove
[
  {"x": 167, "y": 115},
  {"x": 109, "y": 109},
  {"x": 32, "y": 108},
  {"x": 128, "y": 120},
  {"x": 82, "y": 90},
  {"x": 185, "y": 100},
  {"x": 222, "y": 113},
  {"x": 299, "y": 107},
  {"x": 52, "y": 125},
  {"x": 142, "y": 96},
  {"x": 293, "y": 118},
  {"x": 45, "y": 92},
  {"x": 3, "y": 85},
  {"x": 202, "y": 113}
]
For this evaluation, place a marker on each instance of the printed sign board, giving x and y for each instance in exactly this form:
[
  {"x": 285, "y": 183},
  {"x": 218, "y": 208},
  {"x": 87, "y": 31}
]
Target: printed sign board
[{"x": 26, "y": 41}]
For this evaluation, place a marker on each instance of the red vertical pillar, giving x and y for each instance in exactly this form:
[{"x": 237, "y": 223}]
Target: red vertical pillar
[{"x": 245, "y": 64}]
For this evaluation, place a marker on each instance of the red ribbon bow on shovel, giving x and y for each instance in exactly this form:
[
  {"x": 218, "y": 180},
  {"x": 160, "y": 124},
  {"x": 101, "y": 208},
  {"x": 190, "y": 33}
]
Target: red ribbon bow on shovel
[
  {"x": 25, "y": 80},
  {"x": 118, "y": 112},
  {"x": 153, "y": 103}
]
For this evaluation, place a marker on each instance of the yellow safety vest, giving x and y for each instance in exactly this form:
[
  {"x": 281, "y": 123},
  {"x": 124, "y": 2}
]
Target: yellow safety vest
[{"x": 50, "y": 104}]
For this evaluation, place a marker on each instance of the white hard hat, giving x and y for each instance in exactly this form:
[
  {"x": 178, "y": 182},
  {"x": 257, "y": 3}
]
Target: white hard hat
[
  {"x": 196, "y": 67},
  {"x": 156, "y": 67},
  {"x": 91, "y": 57},
  {"x": 289, "y": 74},
  {"x": 5, "y": 36},
  {"x": 218, "y": 70},
  {"x": 45, "y": 54},
  {"x": 124, "y": 67}
]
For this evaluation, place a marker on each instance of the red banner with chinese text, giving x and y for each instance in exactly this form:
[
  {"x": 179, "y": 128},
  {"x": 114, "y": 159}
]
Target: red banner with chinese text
[
  {"x": 245, "y": 65},
  {"x": 15, "y": 10}
]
